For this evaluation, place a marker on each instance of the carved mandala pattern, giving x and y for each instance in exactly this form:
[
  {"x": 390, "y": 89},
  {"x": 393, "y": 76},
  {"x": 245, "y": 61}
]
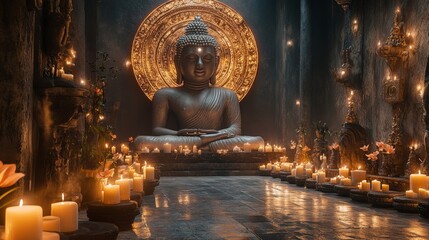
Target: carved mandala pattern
[{"x": 152, "y": 53}]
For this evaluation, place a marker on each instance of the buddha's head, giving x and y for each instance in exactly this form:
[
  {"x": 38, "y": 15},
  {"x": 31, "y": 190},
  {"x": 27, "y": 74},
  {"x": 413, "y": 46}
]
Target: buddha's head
[{"x": 196, "y": 58}]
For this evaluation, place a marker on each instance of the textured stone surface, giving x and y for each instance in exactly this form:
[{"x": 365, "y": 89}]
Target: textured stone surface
[{"x": 255, "y": 207}]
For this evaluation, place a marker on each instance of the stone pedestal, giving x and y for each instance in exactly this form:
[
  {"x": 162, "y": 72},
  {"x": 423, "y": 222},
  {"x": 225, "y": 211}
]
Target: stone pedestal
[
  {"x": 93, "y": 231},
  {"x": 300, "y": 182},
  {"x": 383, "y": 199},
  {"x": 310, "y": 183},
  {"x": 283, "y": 175},
  {"x": 344, "y": 191},
  {"x": 149, "y": 186},
  {"x": 121, "y": 214},
  {"x": 404, "y": 204},
  {"x": 359, "y": 195},
  {"x": 290, "y": 179},
  {"x": 326, "y": 187}
]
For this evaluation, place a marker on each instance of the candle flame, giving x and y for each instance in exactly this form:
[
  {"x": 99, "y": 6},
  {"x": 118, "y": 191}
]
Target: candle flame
[
  {"x": 359, "y": 167},
  {"x": 107, "y": 145},
  {"x": 419, "y": 172},
  {"x": 21, "y": 202},
  {"x": 145, "y": 163},
  {"x": 62, "y": 196},
  {"x": 121, "y": 176}
]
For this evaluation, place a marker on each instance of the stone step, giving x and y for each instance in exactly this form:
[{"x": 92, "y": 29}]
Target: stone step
[{"x": 209, "y": 164}]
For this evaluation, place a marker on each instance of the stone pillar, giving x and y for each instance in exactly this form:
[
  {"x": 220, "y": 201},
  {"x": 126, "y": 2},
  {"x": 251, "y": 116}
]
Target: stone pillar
[
  {"x": 287, "y": 86},
  {"x": 16, "y": 83},
  {"x": 305, "y": 68}
]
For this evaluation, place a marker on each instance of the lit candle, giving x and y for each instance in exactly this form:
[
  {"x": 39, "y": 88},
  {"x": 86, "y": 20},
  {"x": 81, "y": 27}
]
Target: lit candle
[
  {"x": 261, "y": 148},
  {"x": 344, "y": 171},
  {"x": 166, "y": 148},
  {"x": 299, "y": 171},
  {"x": 293, "y": 172},
  {"x": 417, "y": 181},
  {"x": 321, "y": 177},
  {"x": 113, "y": 149},
  {"x": 138, "y": 183},
  {"x": 194, "y": 149},
  {"x": 269, "y": 166},
  {"x": 375, "y": 185},
  {"x": 313, "y": 176},
  {"x": 51, "y": 223},
  {"x": 111, "y": 194},
  {"x": 357, "y": 176},
  {"x": 333, "y": 180},
  {"x": 268, "y": 148},
  {"x": 410, "y": 194},
  {"x": 262, "y": 167},
  {"x": 346, "y": 181},
  {"x": 308, "y": 172},
  {"x": 365, "y": 186},
  {"x": 156, "y": 150},
  {"x": 236, "y": 149},
  {"x": 149, "y": 173},
  {"x": 247, "y": 147},
  {"x": 124, "y": 188},
  {"x": 385, "y": 187},
  {"x": 67, "y": 211},
  {"x": 23, "y": 222},
  {"x": 145, "y": 150}
]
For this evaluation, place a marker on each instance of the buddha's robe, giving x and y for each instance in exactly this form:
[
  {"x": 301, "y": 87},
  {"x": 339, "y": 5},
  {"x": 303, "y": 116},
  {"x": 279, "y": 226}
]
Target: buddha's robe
[{"x": 212, "y": 108}]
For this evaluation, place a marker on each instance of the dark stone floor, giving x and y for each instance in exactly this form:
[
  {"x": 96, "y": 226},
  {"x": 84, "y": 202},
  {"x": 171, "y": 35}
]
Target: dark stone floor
[{"x": 254, "y": 207}]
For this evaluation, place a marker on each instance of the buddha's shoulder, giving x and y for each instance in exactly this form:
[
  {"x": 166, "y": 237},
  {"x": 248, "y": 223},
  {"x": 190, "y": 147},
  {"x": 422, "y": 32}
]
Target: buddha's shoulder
[
  {"x": 165, "y": 92},
  {"x": 226, "y": 92}
]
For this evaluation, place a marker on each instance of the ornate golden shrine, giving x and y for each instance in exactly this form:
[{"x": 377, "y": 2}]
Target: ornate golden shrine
[{"x": 153, "y": 49}]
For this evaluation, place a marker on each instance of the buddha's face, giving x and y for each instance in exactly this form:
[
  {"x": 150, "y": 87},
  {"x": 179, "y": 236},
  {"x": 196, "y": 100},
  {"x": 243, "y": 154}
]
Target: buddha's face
[{"x": 198, "y": 63}]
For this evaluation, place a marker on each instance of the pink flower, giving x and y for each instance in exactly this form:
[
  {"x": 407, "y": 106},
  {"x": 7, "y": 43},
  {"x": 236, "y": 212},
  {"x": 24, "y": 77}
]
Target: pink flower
[
  {"x": 365, "y": 148},
  {"x": 372, "y": 156},
  {"x": 380, "y": 145},
  {"x": 389, "y": 149},
  {"x": 8, "y": 176}
]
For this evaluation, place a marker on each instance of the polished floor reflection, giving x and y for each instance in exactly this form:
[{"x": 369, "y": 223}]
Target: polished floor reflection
[{"x": 254, "y": 207}]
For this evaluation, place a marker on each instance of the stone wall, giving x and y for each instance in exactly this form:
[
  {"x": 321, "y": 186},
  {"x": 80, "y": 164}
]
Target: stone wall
[{"x": 16, "y": 84}]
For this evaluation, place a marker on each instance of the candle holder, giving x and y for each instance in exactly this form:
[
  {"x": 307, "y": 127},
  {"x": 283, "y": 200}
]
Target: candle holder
[
  {"x": 310, "y": 183},
  {"x": 344, "y": 191},
  {"x": 290, "y": 179},
  {"x": 359, "y": 195},
  {"x": 383, "y": 199},
  {"x": 283, "y": 175},
  {"x": 300, "y": 181},
  {"x": 326, "y": 187},
  {"x": 121, "y": 214},
  {"x": 405, "y": 204},
  {"x": 149, "y": 186},
  {"x": 93, "y": 231}
]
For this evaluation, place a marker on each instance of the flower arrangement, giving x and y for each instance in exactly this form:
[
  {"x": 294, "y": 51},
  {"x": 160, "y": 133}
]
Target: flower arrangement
[
  {"x": 8, "y": 177},
  {"x": 381, "y": 148}
]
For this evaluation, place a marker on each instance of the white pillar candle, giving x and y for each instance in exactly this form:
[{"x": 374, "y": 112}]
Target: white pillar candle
[
  {"x": 166, "y": 148},
  {"x": 156, "y": 150},
  {"x": 51, "y": 223},
  {"x": 358, "y": 176},
  {"x": 385, "y": 187},
  {"x": 299, "y": 171},
  {"x": 417, "y": 181},
  {"x": 410, "y": 194},
  {"x": 23, "y": 222},
  {"x": 308, "y": 172},
  {"x": 138, "y": 183},
  {"x": 262, "y": 167},
  {"x": 124, "y": 188},
  {"x": 247, "y": 147},
  {"x": 150, "y": 173},
  {"x": 333, "y": 180},
  {"x": 277, "y": 169},
  {"x": 293, "y": 172},
  {"x": 375, "y": 185},
  {"x": 113, "y": 149},
  {"x": 194, "y": 149},
  {"x": 269, "y": 166},
  {"x": 50, "y": 236},
  {"x": 261, "y": 148},
  {"x": 137, "y": 167},
  {"x": 236, "y": 149},
  {"x": 313, "y": 176},
  {"x": 268, "y": 148},
  {"x": 321, "y": 177},
  {"x": 346, "y": 181},
  {"x": 422, "y": 193},
  {"x": 67, "y": 211},
  {"x": 145, "y": 150},
  {"x": 366, "y": 186},
  {"x": 111, "y": 194},
  {"x": 344, "y": 171}
]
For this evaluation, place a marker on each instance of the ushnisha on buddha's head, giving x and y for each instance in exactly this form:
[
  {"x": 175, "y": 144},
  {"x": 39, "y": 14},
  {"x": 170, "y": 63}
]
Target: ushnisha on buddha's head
[{"x": 196, "y": 58}]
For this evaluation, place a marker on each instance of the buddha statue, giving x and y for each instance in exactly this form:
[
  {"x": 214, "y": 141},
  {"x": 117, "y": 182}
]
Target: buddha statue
[{"x": 207, "y": 116}]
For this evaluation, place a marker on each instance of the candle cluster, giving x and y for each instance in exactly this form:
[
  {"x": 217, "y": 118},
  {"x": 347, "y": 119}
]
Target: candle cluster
[
  {"x": 26, "y": 222},
  {"x": 419, "y": 186},
  {"x": 270, "y": 148}
]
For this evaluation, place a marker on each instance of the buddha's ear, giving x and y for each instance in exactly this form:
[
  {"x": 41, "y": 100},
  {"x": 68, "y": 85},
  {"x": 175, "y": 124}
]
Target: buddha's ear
[
  {"x": 213, "y": 78},
  {"x": 178, "y": 73}
]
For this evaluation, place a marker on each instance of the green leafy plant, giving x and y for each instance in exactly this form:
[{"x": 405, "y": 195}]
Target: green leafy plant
[{"x": 98, "y": 132}]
